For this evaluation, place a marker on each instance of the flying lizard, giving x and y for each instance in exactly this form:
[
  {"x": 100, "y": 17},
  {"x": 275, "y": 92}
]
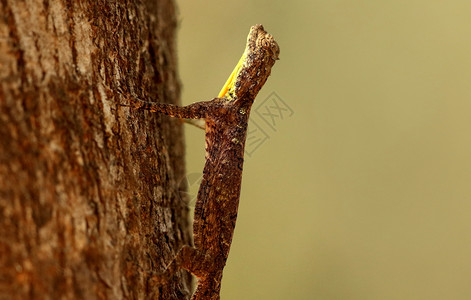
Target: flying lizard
[{"x": 226, "y": 119}]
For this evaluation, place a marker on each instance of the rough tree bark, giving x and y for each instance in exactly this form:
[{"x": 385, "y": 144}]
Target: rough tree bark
[{"x": 89, "y": 201}]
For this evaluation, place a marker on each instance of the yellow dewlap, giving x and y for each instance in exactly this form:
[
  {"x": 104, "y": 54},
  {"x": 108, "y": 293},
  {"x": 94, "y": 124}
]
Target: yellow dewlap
[{"x": 229, "y": 85}]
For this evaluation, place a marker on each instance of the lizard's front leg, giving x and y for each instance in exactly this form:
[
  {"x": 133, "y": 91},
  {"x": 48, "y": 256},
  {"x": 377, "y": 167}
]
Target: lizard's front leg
[{"x": 197, "y": 110}]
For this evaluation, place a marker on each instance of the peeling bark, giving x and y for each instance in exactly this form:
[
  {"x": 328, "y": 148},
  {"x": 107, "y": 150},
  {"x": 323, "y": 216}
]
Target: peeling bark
[{"x": 89, "y": 201}]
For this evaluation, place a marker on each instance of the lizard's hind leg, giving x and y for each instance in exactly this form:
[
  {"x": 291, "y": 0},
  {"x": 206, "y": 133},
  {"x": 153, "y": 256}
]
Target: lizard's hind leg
[{"x": 188, "y": 258}]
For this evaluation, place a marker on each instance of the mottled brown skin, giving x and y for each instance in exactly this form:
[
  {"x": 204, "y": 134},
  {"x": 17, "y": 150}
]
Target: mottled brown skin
[{"x": 218, "y": 197}]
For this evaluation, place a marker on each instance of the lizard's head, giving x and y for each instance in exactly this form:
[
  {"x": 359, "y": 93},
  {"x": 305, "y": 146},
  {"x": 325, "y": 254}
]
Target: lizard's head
[{"x": 253, "y": 68}]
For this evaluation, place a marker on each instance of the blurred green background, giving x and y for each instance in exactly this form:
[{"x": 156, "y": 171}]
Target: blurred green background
[{"x": 364, "y": 191}]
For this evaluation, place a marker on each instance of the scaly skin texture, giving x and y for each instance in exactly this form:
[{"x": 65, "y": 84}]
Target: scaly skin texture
[{"x": 226, "y": 121}]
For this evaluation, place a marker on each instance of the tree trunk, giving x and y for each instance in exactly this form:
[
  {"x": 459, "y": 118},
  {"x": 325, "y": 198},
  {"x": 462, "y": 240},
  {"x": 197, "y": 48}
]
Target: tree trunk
[{"x": 89, "y": 189}]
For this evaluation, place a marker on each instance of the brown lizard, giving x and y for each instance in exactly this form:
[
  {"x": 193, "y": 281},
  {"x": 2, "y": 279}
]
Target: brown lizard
[{"x": 226, "y": 119}]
